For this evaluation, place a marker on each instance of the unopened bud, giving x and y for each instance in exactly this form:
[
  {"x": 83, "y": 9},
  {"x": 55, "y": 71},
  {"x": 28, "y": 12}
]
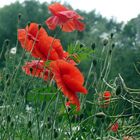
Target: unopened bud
[
  {"x": 113, "y": 45},
  {"x": 49, "y": 123},
  {"x": 7, "y": 76},
  {"x": 39, "y": 26},
  {"x": 31, "y": 70},
  {"x": 105, "y": 42},
  {"x": 8, "y": 118},
  {"x": 110, "y": 51},
  {"x": 29, "y": 24},
  {"x": 111, "y": 35},
  {"x": 12, "y": 124},
  {"x": 118, "y": 90},
  {"x": 81, "y": 45},
  {"x": 49, "y": 119},
  {"x": 19, "y": 16},
  {"x": 55, "y": 133},
  {"x": 7, "y": 42},
  {"x": 29, "y": 124},
  {"x": 93, "y": 46},
  {"x": 94, "y": 62},
  {"x": 69, "y": 109}
]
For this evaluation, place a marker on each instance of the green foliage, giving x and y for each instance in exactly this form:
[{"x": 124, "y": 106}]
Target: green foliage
[
  {"x": 34, "y": 109},
  {"x": 80, "y": 52}
]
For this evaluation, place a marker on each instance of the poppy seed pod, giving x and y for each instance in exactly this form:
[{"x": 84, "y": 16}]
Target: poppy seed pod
[
  {"x": 111, "y": 35},
  {"x": 81, "y": 45},
  {"x": 29, "y": 124},
  {"x": 105, "y": 42},
  {"x": 7, "y": 42},
  {"x": 29, "y": 24},
  {"x": 69, "y": 108},
  {"x": 39, "y": 26},
  {"x": 93, "y": 46},
  {"x": 7, "y": 76},
  {"x": 31, "y": 70},
  {"x": 113, "y": 45},
  {"x": 19, "y": 16},
  {"x": 49, "y": 123},
  {"x": 8, "y": 118},
  {"x": 118, "y": 90},
  {"x": 94, "y": 62},
  {"x": 12, "y": 124},
  {"x": 110, "y": 52},
  {"x": 55, "y": 133}
]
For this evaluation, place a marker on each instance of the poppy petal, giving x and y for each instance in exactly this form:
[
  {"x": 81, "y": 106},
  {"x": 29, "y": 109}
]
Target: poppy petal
[
  {"x": 73, "y": 84},
  {"x": 57, "y": 7},
  {"x": 52, "y": 22}
]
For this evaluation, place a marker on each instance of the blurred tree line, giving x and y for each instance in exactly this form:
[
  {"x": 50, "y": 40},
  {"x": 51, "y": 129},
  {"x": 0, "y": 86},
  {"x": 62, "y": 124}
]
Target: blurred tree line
[{"x": 126, "y": 36}]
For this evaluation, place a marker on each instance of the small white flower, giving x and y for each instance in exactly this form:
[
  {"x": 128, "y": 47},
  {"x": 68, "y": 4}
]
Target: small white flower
[
  {"x": 13, "y": 50},
  {"x": 104, "y": 35},
  {"x": 28, "y": 108}
]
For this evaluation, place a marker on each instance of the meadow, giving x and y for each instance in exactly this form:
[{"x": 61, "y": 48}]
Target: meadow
[{"x": 67, "y": 75}]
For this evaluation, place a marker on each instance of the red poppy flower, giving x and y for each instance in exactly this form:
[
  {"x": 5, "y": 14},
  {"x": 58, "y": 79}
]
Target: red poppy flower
[
  {"x": 69, "y": 79},
  {"x": 107, "y": 95},
  {"x": 36, "y": 68},
  {"x": 115, "y": 127},
  {"x": 105, "y": 99},
  {"x": 39, "y": 44},
  {"x": 67, "y": 19}
]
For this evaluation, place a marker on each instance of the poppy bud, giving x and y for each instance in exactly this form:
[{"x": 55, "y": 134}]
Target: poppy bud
[
  {"x": 49, "y": 123},
  {"x": 39, "y": 26},
  {"x": 111, "y": 35},
  {"x": 44, "y": 126},
  {"x": 118, "y": 90},
  {"x": 7, "y": 76},
  {"x": 8, "y": 118},
  {"x": 55, "y": 133},
  {"x": 81, "y": 45},
  {"x": 94, "y": 62},
  {"x": 100, "y": 115},
  {"x": 31, "y": 70},
  {"x": 107, "y": 95},
  {"x": 113, "y": 45},
  {"x": 12, "y": 124},
  {"x": 93, "y": 46},
  {"x": 106, "y": 99},
  {"x": 115, "y": 127},
  {"x": 19, "y": 16},
  {"x": 17, "y": 103},
  {"x": 29, "y": 124},
  {"x": 49, "y": 119},
  {"x": 110, "y": 51},
  {"x": 102, "y": 76},
  {"x": 7, "y": 42},
  {"x": 69, "y": 109},
  {"x": 29, "y": 24},
  {"x": 105, "y": 42}
]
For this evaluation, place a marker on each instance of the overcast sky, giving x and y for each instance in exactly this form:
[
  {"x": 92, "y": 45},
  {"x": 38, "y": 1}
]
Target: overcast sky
[{"x": 121, "y": 10}]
